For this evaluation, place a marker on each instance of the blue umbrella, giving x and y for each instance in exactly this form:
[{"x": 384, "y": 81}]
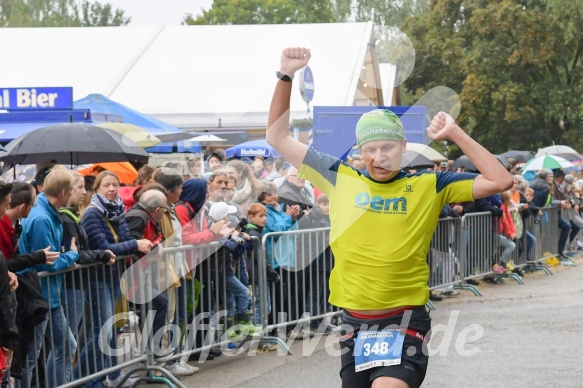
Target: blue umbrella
[
  {"x": 251, "y": 149},
  {"x": 163, "y": 131}
]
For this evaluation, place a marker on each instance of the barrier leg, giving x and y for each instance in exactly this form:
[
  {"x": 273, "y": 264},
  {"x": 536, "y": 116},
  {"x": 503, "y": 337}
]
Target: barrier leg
[
  {"x": 533, "y": 267},
  {"x": 464, "y": 286},
  {"x": 512, "y": 276}
]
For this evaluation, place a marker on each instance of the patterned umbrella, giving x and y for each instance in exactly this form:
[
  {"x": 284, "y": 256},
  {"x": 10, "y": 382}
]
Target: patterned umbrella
[{"x": 550, "y": 162}]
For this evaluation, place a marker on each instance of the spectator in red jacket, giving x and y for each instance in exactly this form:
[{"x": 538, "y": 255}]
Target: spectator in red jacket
[{"x": 507, "y": 232}]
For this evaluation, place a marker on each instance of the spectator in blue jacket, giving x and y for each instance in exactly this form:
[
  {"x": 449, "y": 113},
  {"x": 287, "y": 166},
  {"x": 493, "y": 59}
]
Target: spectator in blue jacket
[
  {"x": 281, "y": 250},
  {"x": 43, "y": 228},
  {"x": 107, "y": 229}
]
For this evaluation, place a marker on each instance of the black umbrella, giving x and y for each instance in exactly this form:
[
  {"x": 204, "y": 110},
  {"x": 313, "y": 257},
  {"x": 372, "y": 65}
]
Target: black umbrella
[
  {"x": 465, "y": 163},
  {"x": 413, "y": 159},
  {"x": 519, "y": 156},
  {"x": 73, "y": 143}
]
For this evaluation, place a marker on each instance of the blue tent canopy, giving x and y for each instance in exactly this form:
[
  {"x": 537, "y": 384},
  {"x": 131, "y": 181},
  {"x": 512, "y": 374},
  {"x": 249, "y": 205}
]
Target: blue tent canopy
[
  {"x": 251, "y": 149},
  {"x": 164, "y": 131},
  {"x": 9, "y": 132}
]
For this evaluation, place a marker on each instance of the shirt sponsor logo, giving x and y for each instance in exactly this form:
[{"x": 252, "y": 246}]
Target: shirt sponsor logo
[{"x": 378, "y": 204}]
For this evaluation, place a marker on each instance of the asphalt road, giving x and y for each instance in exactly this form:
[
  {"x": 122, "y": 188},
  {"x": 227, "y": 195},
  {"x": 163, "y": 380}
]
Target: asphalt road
[{"x": 513, "y": 335}]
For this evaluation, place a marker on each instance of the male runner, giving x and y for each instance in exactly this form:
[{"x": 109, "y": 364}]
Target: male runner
[{"x": 382, "y": 221}]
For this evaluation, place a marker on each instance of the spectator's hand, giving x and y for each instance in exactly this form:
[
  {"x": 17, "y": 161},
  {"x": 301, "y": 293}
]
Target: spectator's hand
[
  {"x": 513, "y": 237},
  {"x": 13, "y": 281},
  {"x": 73, "y": 246},
  {"x": 7, "y": 356},
  {"x": 225, "y": 231},
  {"x": 145, "y": 246},
  {"x": 565, "y": 205},
  {"x": 111, "y": 257},
  {"x": 524, "y": 206},
  {"x": 245, "y": 236},
  {"x": 293, "y": 211},
  {"x": 293, "y": 59},
  {"x": 458, "y": 208},
  {"x": 217, "y": 226},
  {"x": 50, "y": 257}
]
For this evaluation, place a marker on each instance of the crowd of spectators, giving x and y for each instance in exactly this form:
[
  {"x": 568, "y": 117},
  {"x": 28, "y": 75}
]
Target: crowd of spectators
[{"x": 67, "y": 220}]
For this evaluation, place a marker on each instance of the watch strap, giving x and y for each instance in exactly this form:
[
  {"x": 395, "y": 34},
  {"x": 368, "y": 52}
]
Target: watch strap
[{"x": 284, "y": 77}]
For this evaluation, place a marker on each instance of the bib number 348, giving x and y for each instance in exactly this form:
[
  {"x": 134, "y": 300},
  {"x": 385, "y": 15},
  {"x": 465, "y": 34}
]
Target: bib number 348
[{"x": 378, "y": 348}]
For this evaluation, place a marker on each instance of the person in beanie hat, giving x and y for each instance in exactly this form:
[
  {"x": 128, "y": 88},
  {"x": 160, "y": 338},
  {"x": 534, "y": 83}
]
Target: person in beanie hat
[{"x": 382, "y": 222}]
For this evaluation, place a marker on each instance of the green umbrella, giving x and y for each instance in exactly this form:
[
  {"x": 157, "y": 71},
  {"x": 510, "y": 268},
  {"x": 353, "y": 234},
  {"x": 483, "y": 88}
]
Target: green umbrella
[{"x": 550, "y": 162}]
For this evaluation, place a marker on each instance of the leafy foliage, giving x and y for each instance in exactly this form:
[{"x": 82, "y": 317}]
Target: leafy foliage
[
  {"x": 265, "y": 12},
  {"x": 59, "y": 13},
  {"x": 515, "y": 64}
]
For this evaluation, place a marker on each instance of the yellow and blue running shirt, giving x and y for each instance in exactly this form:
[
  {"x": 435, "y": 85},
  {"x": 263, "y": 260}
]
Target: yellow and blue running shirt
[{"x": 381, "y": 231}]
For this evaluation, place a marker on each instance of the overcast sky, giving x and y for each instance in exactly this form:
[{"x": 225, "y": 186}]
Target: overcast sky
[{"x": 159, "y": 12}]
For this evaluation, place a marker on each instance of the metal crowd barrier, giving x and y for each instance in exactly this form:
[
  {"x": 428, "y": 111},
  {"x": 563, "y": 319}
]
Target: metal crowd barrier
[
  {"x": 207, "y": 310},
  {"x": 303, "y": 261}
]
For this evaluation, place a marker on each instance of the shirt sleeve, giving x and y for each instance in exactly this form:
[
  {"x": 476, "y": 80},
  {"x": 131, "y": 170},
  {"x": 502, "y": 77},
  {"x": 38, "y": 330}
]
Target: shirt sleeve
[
  {"x": 321, "y": 170},
  {"x": 455, "y": 186}
]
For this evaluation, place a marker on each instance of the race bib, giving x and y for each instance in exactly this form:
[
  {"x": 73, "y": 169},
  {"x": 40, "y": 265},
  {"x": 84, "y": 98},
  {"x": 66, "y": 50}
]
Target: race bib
[{"x": 378, "y": 348}]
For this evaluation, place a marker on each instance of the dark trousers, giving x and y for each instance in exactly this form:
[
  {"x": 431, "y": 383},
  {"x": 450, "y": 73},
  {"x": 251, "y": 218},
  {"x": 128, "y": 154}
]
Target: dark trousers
[{"x": 565, "y": 229}]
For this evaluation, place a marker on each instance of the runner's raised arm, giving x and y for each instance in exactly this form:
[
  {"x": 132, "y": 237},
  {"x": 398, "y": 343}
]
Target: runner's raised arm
[{"x": 292, "y": 59}]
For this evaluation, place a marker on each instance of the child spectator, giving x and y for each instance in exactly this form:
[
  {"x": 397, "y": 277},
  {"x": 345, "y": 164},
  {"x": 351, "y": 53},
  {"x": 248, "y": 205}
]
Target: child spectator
[
  {"x": 254, "y": 228},
  {"x": 507, "y": 233},
  {"x": 233, "y": 248}
]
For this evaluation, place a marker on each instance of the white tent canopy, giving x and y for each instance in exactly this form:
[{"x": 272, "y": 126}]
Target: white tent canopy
[{"x": 189, "y": 76}]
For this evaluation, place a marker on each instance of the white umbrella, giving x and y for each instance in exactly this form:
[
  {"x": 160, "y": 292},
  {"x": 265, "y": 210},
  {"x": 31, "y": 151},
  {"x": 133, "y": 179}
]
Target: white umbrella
[
  {"x": 206, "y": 138},
  {"x": 555, "y": 149},
  {"x": 426, "y": 151},
  {"x": 550, "y": 162}
]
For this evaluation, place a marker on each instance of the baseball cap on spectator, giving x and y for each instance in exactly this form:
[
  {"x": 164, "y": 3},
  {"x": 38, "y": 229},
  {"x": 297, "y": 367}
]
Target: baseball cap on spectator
[
  {"x": 569, "y": 178},
  {"x": 443, "y": 165},
  {"x": 219, "y": 210}
]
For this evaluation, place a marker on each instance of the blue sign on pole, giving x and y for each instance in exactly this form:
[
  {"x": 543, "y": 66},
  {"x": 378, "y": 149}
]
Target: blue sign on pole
[
  {"x": 307, "y": 84},
  {"x": 36, "y": 98}
]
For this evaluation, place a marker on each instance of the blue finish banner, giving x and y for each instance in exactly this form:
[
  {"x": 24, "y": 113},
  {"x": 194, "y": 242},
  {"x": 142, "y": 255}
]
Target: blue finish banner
[{"x": 36, "y": 98}]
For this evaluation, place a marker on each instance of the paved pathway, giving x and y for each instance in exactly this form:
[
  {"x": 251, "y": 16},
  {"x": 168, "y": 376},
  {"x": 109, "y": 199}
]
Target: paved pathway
[{"x": 532, "y": 337}]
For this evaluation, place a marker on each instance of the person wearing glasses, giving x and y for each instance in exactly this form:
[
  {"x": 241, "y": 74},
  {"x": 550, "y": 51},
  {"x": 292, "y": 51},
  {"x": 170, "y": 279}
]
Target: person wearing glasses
[
  {"x": 382, "y": 222},
  {"x": 143, "y": 220}
]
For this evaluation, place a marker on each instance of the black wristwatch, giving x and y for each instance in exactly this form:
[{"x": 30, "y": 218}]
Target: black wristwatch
[{"x": 284, "y": 77}]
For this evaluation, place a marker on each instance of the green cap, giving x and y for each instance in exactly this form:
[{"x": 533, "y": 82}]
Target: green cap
[{"x": 379, "y": 124}]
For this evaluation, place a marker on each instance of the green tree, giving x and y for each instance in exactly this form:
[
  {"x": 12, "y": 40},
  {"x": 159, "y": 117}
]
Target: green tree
[
  {"x": 101, "y": 15},
  {"x": 515, "y": 64},
  {"x": 265, "y": 12},
  {"x": 59, "y": 13}
]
